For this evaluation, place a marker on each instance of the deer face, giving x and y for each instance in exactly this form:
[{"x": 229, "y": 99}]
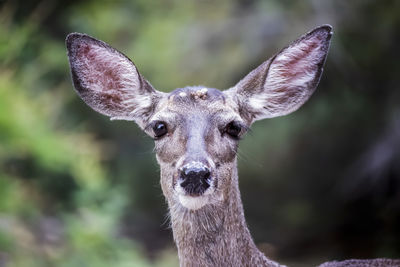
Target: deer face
[
  {"x": 196, "y": 132},
  {"x": 196, "y": 129}
]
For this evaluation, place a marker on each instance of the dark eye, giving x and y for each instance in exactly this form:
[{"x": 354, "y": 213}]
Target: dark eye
[
  {"x": 160, "y": 129},
  {"x": 233, "y": 129}
]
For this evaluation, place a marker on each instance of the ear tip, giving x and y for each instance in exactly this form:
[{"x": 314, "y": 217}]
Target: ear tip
[
  {"x": 76, "y": 36},
  {"x": 324, "y": 29},
  {"x": 72, "y": 37}
]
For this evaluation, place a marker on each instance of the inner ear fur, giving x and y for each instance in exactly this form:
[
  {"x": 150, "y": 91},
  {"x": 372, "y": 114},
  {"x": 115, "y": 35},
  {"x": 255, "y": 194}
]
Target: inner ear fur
[
  {"x": 285, "y": 82},
  {"x": 108, "y": 81}
]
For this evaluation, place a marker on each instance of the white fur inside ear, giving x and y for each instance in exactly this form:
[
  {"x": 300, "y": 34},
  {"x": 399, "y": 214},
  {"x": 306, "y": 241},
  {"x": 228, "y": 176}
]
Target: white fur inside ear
[
  {"x": 291, "y": 79},
  {"x": 107, "y": 80},
  {"x": 296, "y": 66},
  {"x": 102, "y": 69},
  {"x": 194, "y": 203}
]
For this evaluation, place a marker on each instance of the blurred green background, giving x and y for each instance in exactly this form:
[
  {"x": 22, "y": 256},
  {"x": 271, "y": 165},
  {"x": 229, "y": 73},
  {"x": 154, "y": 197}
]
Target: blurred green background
[{"x": 79, "y": 190}]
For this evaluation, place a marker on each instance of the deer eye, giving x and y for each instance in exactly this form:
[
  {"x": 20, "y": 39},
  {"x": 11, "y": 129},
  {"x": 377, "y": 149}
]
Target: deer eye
[
  {"x": 233, "y": 129},
  {"x": 159, "y": 129}
]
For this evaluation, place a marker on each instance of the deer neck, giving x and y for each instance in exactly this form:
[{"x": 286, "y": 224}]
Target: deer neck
[{"x": 216, "y": 235}]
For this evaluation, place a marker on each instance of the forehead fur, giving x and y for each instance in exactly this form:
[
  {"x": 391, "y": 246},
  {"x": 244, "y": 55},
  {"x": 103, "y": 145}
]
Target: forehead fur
[
  {"x": 195, "y": 101},
  {"x": 195, "y": 95},
  {"x": 199, "y": 101}
]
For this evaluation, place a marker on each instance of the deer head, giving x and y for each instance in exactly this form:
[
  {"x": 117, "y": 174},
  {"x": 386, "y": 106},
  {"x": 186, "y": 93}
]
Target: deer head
[{"x": 196, "y": 130}]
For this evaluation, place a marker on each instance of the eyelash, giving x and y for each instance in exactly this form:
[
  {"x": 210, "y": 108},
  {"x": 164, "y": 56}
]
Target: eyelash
[
  {"x": 159, "y": 128},
  {"x": 235, "y": 129}
]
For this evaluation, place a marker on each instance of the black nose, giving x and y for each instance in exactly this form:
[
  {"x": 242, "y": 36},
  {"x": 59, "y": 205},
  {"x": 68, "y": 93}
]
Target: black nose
[{"x": 195, "y": 179}]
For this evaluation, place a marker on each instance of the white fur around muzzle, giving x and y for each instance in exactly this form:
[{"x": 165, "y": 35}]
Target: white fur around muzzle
[{"x": 193, "y": 203}]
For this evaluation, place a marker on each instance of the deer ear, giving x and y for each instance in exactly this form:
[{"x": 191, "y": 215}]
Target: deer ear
[
  {"x": 108, "y": 81},
  {"x": 283, "y": 83}
]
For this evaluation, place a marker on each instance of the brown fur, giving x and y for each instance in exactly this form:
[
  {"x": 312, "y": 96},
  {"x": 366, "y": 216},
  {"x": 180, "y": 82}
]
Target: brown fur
[{"x": 209, "y": 228}]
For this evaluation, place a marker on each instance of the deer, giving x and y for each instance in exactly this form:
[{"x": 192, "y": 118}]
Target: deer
[{"x": 196, "y": 131}]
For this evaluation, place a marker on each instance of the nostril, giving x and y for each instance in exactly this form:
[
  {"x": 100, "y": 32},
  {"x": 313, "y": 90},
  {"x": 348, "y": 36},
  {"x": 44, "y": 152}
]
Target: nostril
[
  {"x": 195, "y": 173},
  {"x": 203, "y": 173},
  {"x": 195, "y": 180}
]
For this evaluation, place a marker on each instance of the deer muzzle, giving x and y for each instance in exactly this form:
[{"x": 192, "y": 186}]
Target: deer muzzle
[{"x": 195, "y": 178}]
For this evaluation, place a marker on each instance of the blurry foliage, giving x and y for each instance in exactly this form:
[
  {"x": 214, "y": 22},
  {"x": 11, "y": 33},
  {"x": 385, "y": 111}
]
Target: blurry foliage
[{"x": 79, "y": 190}]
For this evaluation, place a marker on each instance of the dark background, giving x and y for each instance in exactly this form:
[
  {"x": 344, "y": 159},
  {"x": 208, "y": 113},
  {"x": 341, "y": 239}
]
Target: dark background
[{"x": 79, "y": 190}]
